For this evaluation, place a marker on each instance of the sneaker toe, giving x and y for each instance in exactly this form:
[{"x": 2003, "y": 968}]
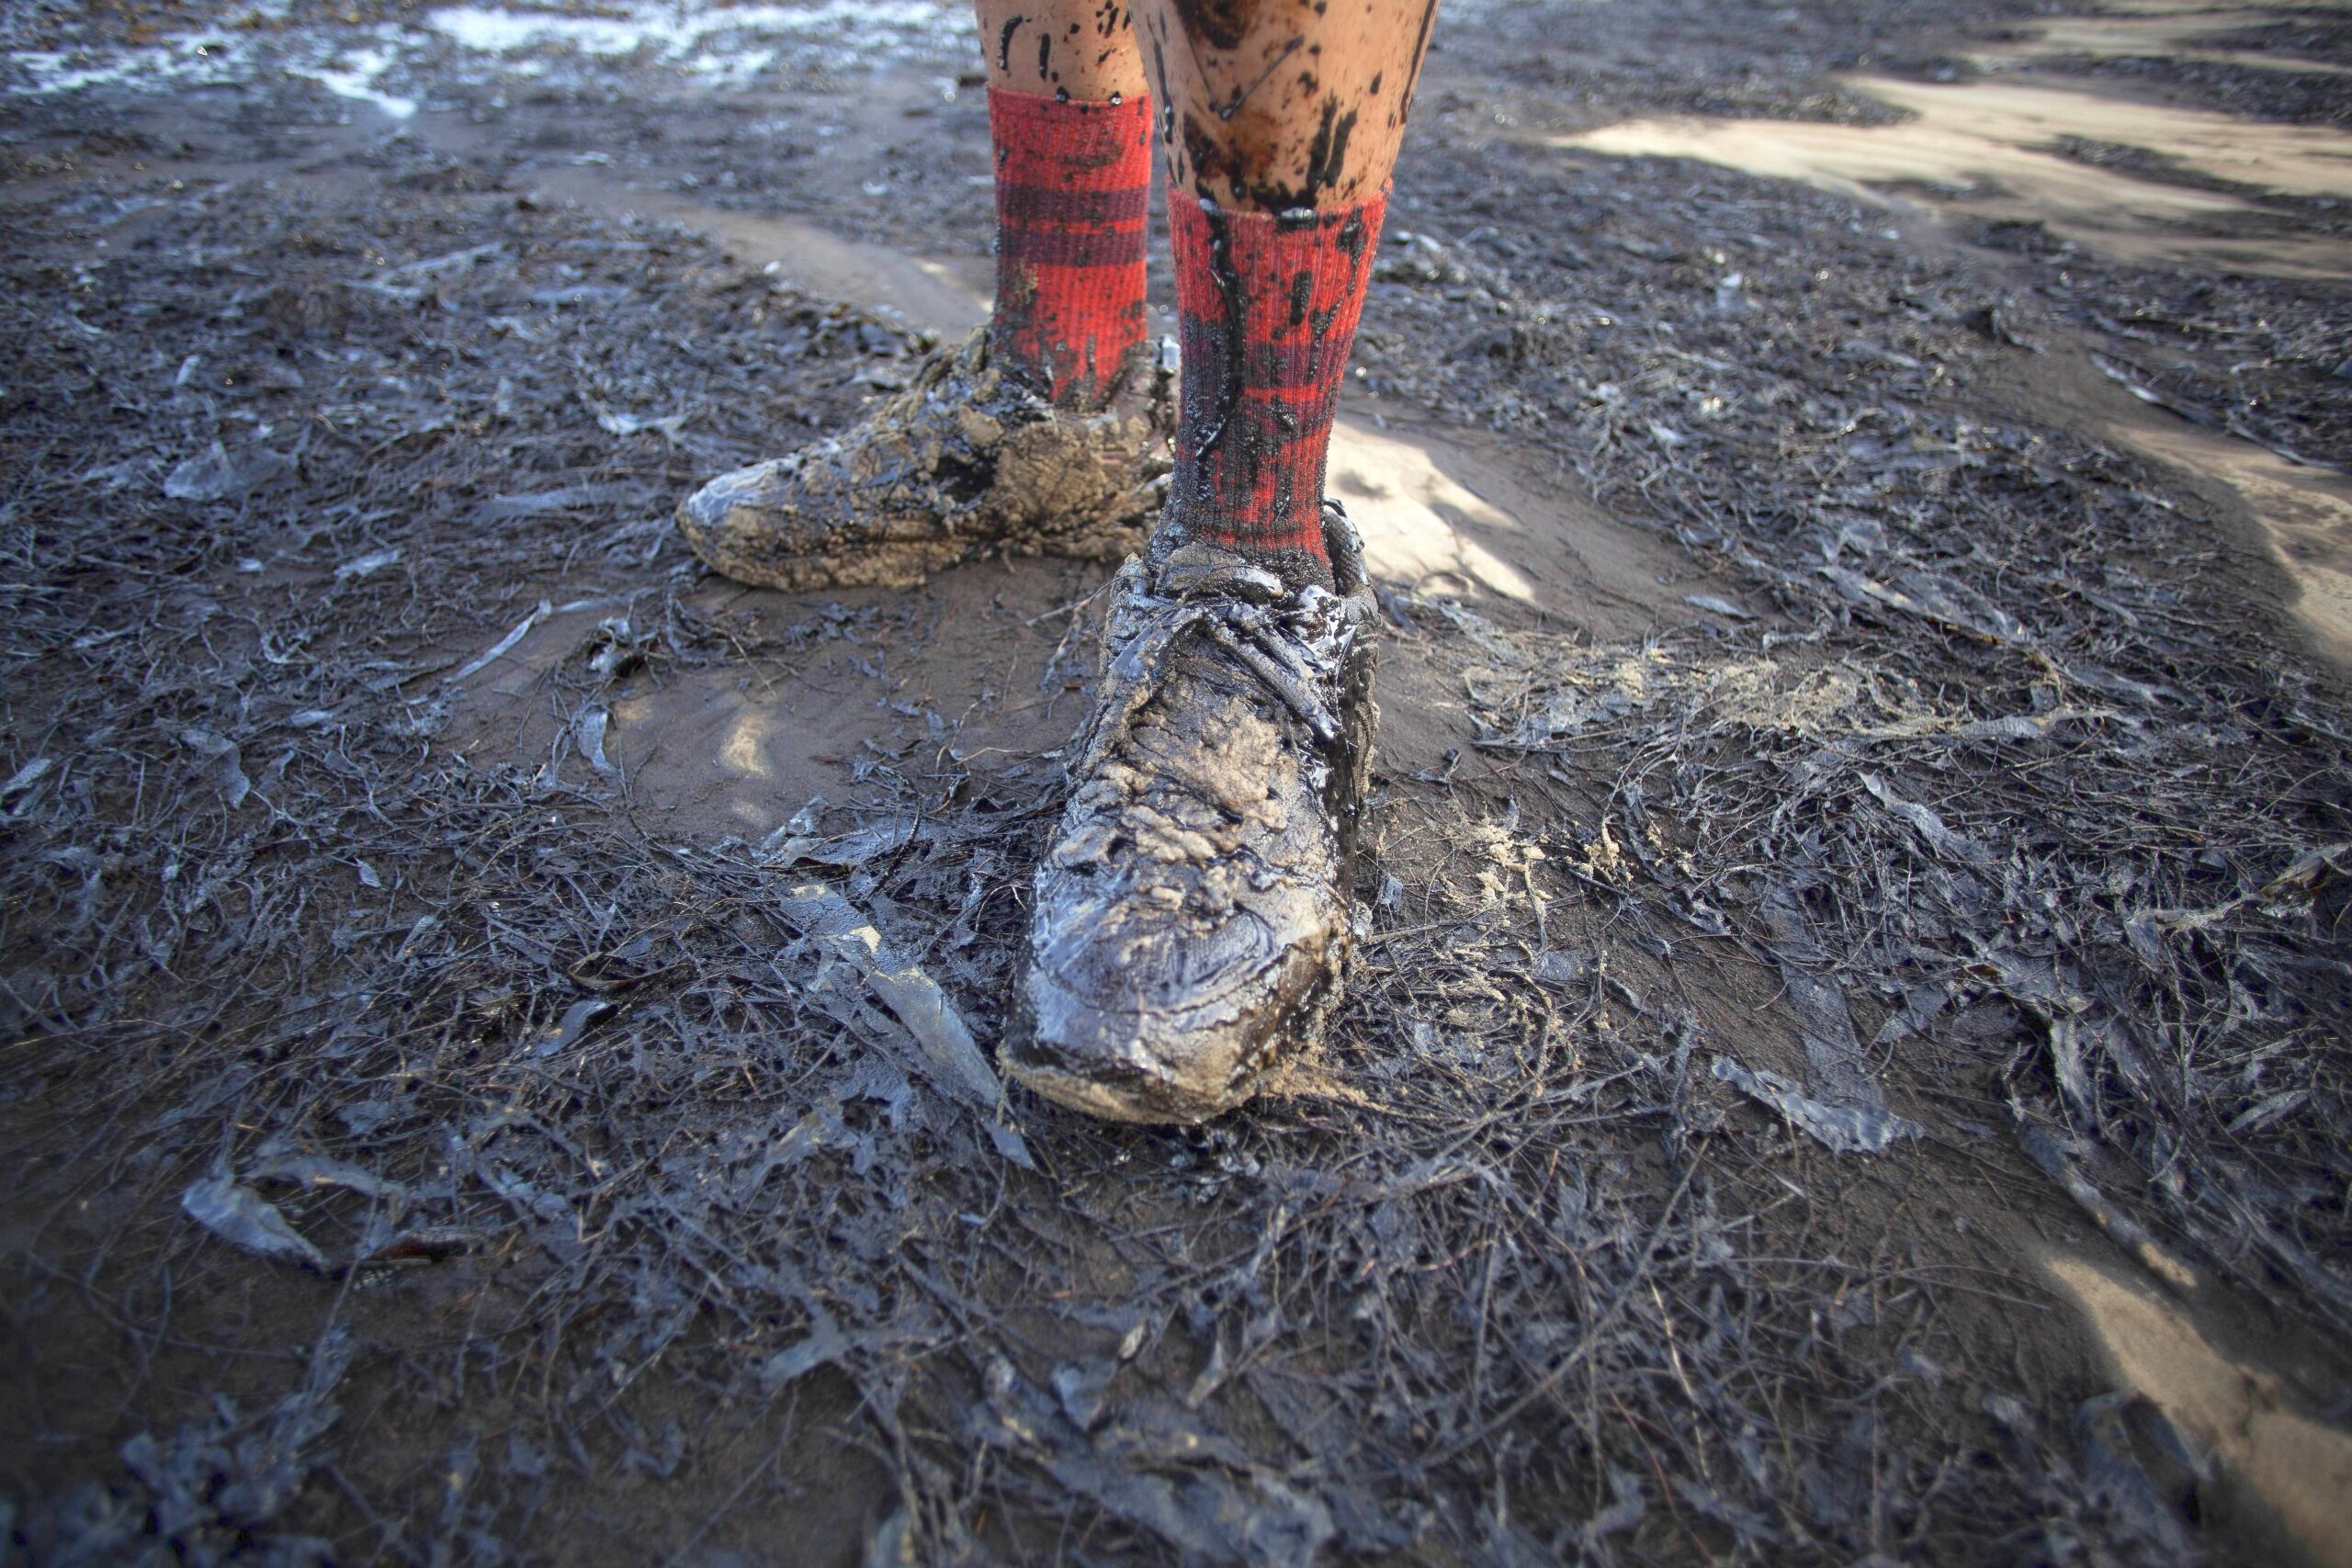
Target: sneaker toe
[{"x": 1142, "y": 1011}]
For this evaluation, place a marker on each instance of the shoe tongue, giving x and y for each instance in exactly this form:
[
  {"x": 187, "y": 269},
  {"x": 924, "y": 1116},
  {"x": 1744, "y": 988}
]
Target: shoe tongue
[{"x": 1194, "y": 570}]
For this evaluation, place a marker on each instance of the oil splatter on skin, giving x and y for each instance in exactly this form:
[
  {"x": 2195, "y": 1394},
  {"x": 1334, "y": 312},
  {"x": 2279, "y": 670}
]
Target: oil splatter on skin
[
  {"x": 1264, "y": 105},
  {"x": 1220, "y": 24},
  {"x": 1272, "y": 105},
  {"x": 1085, "y": 49}
]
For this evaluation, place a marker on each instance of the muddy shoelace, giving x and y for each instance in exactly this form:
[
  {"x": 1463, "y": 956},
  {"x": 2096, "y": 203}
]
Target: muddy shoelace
[
  {"x": 1291, "y": 654},
  {"x": 1297, "y": 650}
]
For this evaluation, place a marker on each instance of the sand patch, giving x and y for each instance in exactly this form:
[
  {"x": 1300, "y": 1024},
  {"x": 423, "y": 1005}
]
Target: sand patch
[
  {"x": 2172, "y": 35},
  {"x": 2306, "y": 511},
  {"x": 1984, "y": 142},
  {"x": 2297, "y": 1469},
  {"x": 1421, "y": 524}
]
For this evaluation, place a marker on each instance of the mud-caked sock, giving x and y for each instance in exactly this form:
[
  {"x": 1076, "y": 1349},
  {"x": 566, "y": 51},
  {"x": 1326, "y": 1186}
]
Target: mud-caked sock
[
  {"x": 1073, "y": 190},
  {"x": 1268, "y": 304}
]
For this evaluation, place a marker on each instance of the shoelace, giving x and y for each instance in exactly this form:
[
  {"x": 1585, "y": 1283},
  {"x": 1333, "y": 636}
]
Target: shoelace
[{"x": 1283, "y": 660}]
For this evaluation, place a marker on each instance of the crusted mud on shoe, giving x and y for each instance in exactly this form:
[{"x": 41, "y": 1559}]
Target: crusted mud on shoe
[
  {"x": 966, "y": 461},
  {"x": 1192, "y": 916}
]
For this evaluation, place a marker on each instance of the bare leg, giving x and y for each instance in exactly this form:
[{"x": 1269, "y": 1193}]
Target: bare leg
[
  {"x": 1269, "y": 105},
  {"x": 1072, "y": 49}
]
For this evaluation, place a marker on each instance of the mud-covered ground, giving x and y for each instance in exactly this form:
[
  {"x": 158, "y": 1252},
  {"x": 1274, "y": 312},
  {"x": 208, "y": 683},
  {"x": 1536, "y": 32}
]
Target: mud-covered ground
[{"x": 1846, "y": 1061}]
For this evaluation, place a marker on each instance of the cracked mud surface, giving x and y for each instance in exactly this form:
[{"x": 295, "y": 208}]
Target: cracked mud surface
[{"x": 492, "y": 1011}]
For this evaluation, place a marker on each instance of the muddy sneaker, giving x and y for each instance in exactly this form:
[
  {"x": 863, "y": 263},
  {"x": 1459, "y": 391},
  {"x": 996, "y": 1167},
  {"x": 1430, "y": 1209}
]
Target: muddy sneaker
[
  {"x": 964, "y": 462},
  {"x": 1193, "y": 914}
]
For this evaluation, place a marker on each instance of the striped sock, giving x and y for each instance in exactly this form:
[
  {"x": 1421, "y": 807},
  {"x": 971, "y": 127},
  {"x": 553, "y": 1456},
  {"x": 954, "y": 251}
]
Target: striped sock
[
  {"x": 1268, "y": 304},
  {"x": 1073, "y": 188}
]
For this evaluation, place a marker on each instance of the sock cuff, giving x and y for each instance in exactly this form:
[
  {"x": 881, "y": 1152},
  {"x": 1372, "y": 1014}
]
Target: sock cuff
[
  {"x": 1293, "y": 282},
  {"x": 1075, "y": 144}
]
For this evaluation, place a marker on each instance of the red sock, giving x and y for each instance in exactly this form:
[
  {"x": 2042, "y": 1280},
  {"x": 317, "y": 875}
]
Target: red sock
[
  {"x": 1073, "y": 188},
  {"x": 1268, "y": 304}
]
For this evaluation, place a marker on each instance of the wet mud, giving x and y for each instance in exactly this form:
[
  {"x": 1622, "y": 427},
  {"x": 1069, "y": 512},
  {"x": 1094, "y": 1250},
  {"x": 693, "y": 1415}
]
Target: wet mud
[{"x": 1842, "y": 1053}]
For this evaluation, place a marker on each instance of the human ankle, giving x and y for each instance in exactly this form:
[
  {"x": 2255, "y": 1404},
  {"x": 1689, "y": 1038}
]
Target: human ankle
[
  {"x": 1073, "y": 182},
  {"x": 1268, "y": 304}
]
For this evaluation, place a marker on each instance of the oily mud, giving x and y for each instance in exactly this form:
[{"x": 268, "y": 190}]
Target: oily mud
[
  {"x": 709, "y": 753},
  {"x": 485, "y": 1081},
  {"x": 808, "y": 256}
]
